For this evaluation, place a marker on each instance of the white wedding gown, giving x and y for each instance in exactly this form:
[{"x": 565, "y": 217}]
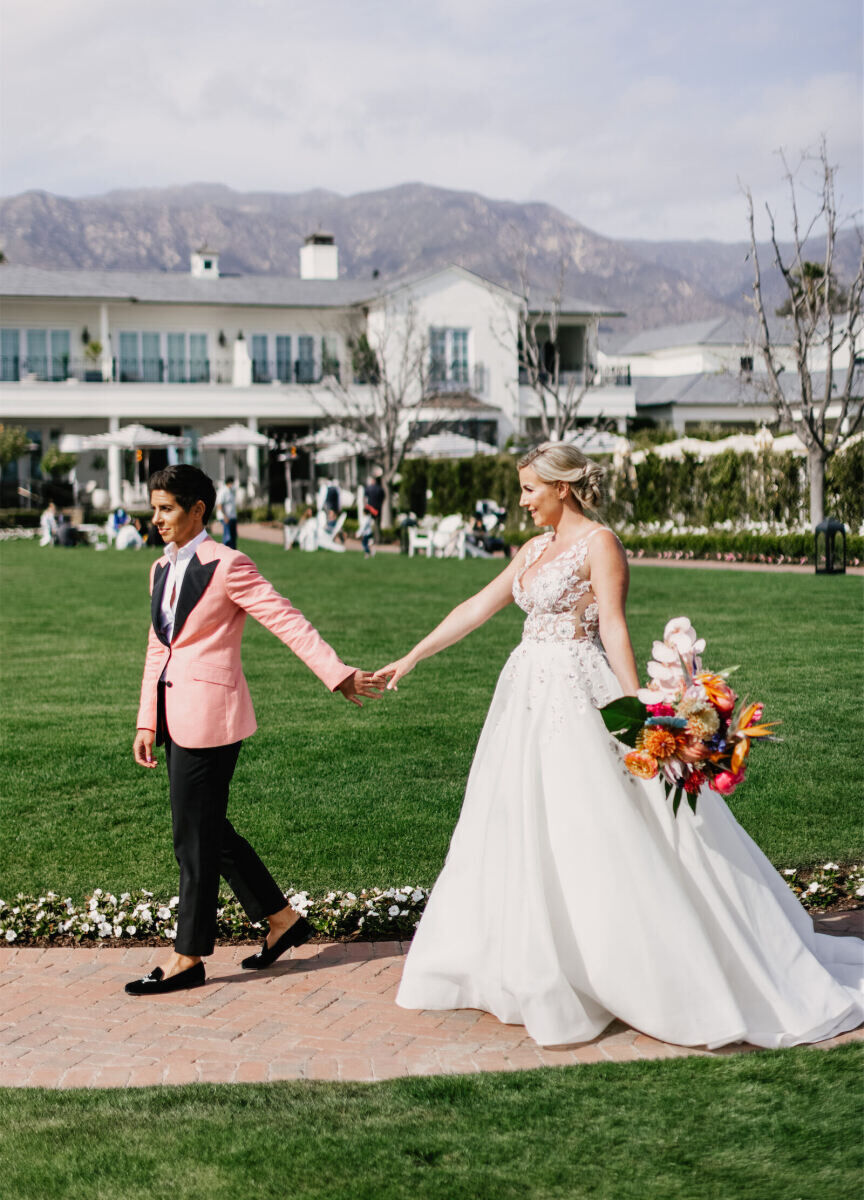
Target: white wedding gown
[{"x": 571, "y": 895}]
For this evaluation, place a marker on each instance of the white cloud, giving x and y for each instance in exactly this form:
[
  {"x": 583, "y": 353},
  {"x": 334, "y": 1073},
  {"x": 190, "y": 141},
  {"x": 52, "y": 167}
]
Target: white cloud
[{"x": 636, "y": 126}]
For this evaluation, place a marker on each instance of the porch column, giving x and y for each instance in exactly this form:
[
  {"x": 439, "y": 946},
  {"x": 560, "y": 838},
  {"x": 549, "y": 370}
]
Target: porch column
[
  {"x": 253, "y": 460},
  {"x": 105, "y": 339},
  {"x": 115, "y": 466}
]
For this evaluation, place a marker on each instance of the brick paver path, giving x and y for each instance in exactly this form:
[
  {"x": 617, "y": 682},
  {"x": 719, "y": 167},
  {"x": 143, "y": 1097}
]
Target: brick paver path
[{"x": 325, "y": 1013}]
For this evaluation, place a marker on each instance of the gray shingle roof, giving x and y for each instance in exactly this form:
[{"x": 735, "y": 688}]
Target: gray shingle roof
[
  {"x": 717, "y": 331},
  {"x": 175, "y": 287},
  {"x": 722, "y": 388},
  {"x": 180, "y": 287}
]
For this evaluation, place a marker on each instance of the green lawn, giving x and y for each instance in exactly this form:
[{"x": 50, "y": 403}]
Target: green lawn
[
  {"x": 770, "y": 1126},
  {"x": 336, "y": 797}
]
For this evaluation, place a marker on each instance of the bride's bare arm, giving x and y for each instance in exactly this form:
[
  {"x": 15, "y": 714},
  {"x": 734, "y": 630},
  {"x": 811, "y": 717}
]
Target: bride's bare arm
[
  {"x": 610, "y": 579},
  {"x": 459, "y": 622}
]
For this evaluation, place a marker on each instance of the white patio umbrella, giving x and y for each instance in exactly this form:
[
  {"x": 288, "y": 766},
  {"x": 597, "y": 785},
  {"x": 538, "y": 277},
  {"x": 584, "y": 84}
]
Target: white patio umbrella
[
  {"x": 676, "y": 449},
  {"x": 788, "y": 442},
  {"x": 741, "y": 443},
  {"x": 135, "y": 437},
  {"x": 232, "y": 437},
  {"x": 598, "y": 441},
  {"x": 449, "y": 445}
]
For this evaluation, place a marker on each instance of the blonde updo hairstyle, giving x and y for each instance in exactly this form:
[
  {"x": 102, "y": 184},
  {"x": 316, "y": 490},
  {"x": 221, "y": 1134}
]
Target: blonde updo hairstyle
[{"x": 557, "y": 462}]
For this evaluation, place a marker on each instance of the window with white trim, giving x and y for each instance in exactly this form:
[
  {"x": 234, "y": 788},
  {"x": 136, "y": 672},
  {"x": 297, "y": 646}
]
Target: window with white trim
[{"x": 448, "y": 356}]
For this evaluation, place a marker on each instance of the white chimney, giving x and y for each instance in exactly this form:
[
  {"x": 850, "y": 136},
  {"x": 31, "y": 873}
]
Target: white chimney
[
  {"x": 204, "y": 263},
  {"x": 319, "y": 257}
]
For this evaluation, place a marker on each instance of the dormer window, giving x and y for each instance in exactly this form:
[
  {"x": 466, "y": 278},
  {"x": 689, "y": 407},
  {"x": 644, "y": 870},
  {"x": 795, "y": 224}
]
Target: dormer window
[{"x": 204, "y": 263}]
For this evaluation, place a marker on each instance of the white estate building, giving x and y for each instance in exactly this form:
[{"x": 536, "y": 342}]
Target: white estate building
[
  {"x": 708, "y": 372},
  {"x": 86, "y": 352}
]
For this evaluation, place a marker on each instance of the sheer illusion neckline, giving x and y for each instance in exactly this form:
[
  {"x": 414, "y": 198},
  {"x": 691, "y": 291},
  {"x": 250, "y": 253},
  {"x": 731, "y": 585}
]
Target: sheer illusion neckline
[{"x": 541, "y": 566}]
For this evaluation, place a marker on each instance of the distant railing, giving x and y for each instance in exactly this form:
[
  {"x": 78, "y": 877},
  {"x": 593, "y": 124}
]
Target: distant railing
[
  {"x": 41, "y": 369},
  {"x": 575, "y": 378},
  {"x": 302, "y": 371},
  {"x": 459, "y": 379},
  {"x": 614, "y": 377}
]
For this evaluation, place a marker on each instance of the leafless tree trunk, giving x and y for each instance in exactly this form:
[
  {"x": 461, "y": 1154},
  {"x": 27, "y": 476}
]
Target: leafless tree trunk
[
  {"x": 388, "y": 408},
  {"x": 559, "y": 393},
  {"x": 818, "y": 330}
]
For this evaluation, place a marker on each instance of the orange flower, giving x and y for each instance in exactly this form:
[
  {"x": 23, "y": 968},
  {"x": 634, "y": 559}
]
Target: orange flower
[
  {"x": 719, "y": 692},
  {"x": 659, "y": 742},
  {"x": 641, "y": 764}
]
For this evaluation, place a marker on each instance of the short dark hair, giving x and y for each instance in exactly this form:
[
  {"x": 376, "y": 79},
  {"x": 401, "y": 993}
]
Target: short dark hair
[{"x": 187, "y": 485}]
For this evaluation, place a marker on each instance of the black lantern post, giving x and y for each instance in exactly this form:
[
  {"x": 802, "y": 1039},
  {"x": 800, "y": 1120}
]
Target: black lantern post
[{"x": 829, "y": 530}]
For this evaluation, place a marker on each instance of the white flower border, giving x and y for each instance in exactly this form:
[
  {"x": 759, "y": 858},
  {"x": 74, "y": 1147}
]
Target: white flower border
[
  {"x": 375, "y": 913},
  {"x": 380, "y": 913}
]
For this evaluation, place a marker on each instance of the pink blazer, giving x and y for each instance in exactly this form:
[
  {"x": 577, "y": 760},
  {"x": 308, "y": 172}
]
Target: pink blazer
[{"x": 207, "y": 701}]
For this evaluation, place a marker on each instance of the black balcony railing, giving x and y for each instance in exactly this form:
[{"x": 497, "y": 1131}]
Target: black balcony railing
[
  {"x": 566, "y": 376},
  {"x": 10, "y": 368},
  {"x": 160, "y": 370},
  {"x": 458, "y": 378},
  {"x": 302, "y": 371},
  {"x": 615, "y": 376}
]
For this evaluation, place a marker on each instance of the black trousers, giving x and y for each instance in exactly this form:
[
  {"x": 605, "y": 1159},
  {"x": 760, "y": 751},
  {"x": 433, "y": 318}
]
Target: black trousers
[{"x": 207, "y": 845}]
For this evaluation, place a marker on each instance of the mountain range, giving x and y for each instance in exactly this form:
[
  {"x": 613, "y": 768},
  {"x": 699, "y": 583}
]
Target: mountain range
[{"x": 395, "y": 231}]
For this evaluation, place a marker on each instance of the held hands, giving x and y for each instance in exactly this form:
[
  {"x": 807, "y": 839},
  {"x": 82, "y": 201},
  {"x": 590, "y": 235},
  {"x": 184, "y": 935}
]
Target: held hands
[
  {"x": 361, "y": 683},
  {"x": 143, "y": 748},
  {"x": 393, "y": 672}
]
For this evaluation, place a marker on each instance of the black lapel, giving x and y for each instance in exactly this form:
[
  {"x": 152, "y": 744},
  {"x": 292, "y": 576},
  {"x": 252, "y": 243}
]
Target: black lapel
[
  {"x": 195, "y": 581},
  {"x": 156, "y": 601}
]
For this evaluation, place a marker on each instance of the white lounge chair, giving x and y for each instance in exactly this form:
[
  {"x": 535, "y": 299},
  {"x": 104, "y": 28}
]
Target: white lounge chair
[{"x": 327, "y": 540}]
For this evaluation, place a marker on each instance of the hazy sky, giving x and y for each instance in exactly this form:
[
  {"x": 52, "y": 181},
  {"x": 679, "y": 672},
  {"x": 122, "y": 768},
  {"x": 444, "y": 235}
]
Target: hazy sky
[{"x": 637, "y": 119}]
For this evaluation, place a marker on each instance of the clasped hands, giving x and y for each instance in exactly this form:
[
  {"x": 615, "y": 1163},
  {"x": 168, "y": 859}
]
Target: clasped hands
[{"x": 372, "y": 683}]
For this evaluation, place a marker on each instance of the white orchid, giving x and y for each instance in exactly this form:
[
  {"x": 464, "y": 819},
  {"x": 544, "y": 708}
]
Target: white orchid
[{"x": 667, "y": 680}]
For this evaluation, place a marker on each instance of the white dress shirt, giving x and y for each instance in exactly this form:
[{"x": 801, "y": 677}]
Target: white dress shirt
[{"x": 178, "y": 561}]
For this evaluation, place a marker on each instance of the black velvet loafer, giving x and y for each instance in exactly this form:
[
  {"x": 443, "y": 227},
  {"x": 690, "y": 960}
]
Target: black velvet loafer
[
  {"x": 300, "y": 932},
  {"x": 155, "y": 984}
]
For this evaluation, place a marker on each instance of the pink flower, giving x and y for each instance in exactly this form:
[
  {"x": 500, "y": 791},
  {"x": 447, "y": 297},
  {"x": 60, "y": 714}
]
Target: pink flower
[
  {"x": 727, "y": 781},
  {"x": 661, "y": 710}
]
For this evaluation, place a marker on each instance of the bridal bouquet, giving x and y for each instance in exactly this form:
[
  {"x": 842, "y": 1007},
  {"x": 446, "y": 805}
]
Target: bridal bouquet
[{"x": 687, "y": 725}]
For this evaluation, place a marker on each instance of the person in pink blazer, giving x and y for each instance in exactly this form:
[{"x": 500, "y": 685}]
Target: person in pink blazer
[{"x": 195, "y": 702}]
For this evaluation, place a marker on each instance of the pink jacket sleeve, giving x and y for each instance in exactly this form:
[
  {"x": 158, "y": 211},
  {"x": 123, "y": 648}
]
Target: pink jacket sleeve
[{"x": 249, "y": 590}]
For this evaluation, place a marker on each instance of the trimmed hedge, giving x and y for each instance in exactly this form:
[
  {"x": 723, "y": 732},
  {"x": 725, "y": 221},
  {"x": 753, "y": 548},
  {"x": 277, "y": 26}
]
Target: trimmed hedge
[
  {"x": 729, "y": 487},
  {"x": 20, "y": 518}
]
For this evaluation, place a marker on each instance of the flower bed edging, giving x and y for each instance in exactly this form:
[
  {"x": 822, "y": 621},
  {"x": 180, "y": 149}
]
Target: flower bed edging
[{"x": 374, "y": 914}]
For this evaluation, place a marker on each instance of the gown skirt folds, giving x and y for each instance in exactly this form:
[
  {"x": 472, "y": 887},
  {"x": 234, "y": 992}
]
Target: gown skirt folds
[{"x": 571, "y": 896}]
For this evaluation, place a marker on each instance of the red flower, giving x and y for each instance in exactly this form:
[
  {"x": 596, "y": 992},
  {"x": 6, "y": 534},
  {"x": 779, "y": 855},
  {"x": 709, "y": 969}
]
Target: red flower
[
  {"x": 726, "y": 782},
  {"x": 693, "y": 782},
  {"x": 661, "y": 710}
]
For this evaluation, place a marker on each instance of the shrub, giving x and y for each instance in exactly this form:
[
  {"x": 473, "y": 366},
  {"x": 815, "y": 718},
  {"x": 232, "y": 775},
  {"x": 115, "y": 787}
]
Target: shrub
[{"x": 13, "y": 518}]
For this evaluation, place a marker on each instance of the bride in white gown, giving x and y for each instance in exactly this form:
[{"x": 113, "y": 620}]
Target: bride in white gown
[{"x": 570, "y": 894}]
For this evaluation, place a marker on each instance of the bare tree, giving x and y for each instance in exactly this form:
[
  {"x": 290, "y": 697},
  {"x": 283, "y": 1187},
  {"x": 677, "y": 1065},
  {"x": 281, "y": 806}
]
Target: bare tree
[
  {"x": 384, "y": 405},
  {"x": 823, "y": 418},
  {"x": 542, "y": 365}
]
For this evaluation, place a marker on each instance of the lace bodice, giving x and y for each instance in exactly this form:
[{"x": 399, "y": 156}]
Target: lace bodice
[{"x": 559, "y": 598}]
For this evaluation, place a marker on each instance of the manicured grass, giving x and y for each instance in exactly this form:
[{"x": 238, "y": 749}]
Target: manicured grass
[
  {"x": 336, "y": 797},
  {"x": 782, "y": 1124}
]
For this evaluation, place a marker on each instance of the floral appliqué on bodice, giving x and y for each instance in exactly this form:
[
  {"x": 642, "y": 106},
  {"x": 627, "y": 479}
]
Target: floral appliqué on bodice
[
  {"x": 559, "y": 598},
  {"x": 559, "y": 667}
]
